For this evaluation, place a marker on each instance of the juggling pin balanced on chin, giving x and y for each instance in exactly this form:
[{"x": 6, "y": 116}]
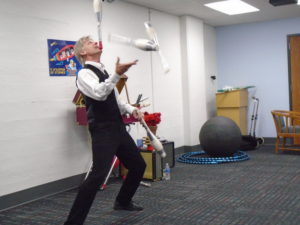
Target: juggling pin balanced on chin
[{"x": 97, "y": 5}]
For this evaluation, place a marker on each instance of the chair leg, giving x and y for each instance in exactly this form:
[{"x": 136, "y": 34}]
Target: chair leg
[
  {"x": 283, "y": 143},
  {"x": 277, "y": 145}
]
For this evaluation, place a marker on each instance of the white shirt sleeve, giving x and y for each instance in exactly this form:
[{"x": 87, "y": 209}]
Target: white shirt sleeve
[
  {"x": 124, "y": 107},
  {"x": 88, "y": 83}
]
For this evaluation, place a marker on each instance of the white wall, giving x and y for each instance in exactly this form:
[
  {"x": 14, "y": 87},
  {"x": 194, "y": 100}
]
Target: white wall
[
  {"x": 210, "y": 57},
  {"x": 38, "y": 137},
  {"x": 193, "y": 78},
  {"x": 40, "y": 141},
  {"x": 167, "y": 88},
  {"x": 256, "y": 54}
]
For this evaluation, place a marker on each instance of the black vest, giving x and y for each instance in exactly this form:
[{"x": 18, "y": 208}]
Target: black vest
[{"x": 102, "y": 111}]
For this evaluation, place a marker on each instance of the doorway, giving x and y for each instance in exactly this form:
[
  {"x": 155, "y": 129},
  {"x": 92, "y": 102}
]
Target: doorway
[
  {"x": 294, "y": 71},
  {"x": 294, "y": 74}
]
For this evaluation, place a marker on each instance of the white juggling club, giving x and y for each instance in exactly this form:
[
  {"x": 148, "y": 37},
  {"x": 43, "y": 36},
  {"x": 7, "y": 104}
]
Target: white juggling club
[
  {"x": 143, "y": 44},
  {"x": 153, "y": 36},
  {"x": 98, "y": 10},
  {"x": 154, "y": 141}
]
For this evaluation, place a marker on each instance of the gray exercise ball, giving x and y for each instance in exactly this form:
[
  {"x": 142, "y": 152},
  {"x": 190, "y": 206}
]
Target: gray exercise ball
[{"x": 220, "y": 137}]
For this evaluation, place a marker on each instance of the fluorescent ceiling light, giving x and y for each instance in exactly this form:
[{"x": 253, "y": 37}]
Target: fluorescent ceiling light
[
  {"x": 298, "y": 2},
  {"x": 233, "y": 7}
]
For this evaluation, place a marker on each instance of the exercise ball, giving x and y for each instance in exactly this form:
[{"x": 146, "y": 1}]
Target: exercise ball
[{"x": 220, "y": 137}]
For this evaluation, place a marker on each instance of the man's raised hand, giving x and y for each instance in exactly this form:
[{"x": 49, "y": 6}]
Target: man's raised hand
[{"x": 121, "y": 68}]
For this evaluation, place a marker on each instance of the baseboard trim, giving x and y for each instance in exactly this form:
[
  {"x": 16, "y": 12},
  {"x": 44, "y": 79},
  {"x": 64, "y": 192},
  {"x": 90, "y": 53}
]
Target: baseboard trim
[
  {"x": 270, "y": 140},
  {"x": 25, "y": 196}
]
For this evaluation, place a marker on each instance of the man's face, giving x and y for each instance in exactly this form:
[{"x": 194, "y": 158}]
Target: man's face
[{"x": 91, "y": 47}]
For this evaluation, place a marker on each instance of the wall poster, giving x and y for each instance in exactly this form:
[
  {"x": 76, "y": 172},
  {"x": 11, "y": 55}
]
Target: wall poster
[{"x": 62, "y": 61}]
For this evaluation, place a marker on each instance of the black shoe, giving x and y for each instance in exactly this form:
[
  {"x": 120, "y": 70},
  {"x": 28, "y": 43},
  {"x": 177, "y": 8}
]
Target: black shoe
[{"x": 130, "y": 207}]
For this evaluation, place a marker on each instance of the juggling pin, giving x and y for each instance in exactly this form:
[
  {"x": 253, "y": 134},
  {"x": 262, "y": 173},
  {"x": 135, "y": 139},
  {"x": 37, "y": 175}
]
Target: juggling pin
[
  {"x": 97, "y": 4},
  {"x": 143, "y": 44},
  {"x": 152, "y": 35},
  {"x": 154, "y": 141}
]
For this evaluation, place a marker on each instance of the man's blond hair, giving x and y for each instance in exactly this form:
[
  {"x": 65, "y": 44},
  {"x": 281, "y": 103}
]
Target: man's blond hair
[{"x": 78, "y": 48}]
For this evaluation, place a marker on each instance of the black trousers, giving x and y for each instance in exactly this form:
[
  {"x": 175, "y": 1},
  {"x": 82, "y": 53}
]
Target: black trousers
[{"x": 108, "y": 139}]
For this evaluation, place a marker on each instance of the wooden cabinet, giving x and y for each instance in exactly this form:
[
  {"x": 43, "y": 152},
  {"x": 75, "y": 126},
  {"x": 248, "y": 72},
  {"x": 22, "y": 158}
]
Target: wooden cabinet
[{"x": 234, "y": 104}]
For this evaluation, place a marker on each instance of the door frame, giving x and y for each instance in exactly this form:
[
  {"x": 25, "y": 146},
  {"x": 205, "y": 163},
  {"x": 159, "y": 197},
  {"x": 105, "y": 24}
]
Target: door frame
[{"x": 289, "y": 67}]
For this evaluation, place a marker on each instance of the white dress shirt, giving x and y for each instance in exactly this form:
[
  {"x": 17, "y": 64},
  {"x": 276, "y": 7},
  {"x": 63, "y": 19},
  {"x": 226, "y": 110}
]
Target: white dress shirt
[{"x": 88, "y": 83}]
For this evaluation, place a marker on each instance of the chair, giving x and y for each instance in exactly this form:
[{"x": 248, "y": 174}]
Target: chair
[{"x": 287, "y": 125}]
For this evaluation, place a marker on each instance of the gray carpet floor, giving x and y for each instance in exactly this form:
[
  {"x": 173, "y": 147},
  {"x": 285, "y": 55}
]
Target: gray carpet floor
[{"x": 264, "y": 190}]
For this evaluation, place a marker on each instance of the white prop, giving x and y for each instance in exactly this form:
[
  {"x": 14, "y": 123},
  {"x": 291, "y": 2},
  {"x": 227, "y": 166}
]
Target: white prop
[
  {"x": 142, "y": 44},
  {"x": 152, "y": 35},
  {"x": 154, "y": 141},
  {"x": 98, "y": 10}
]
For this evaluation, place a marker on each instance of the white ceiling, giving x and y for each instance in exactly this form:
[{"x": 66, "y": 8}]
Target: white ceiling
[{"x": 211, "y": 17}]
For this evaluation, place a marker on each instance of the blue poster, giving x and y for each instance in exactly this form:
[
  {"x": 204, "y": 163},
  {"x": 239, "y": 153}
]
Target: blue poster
[{"x": 62, "y": 61}]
